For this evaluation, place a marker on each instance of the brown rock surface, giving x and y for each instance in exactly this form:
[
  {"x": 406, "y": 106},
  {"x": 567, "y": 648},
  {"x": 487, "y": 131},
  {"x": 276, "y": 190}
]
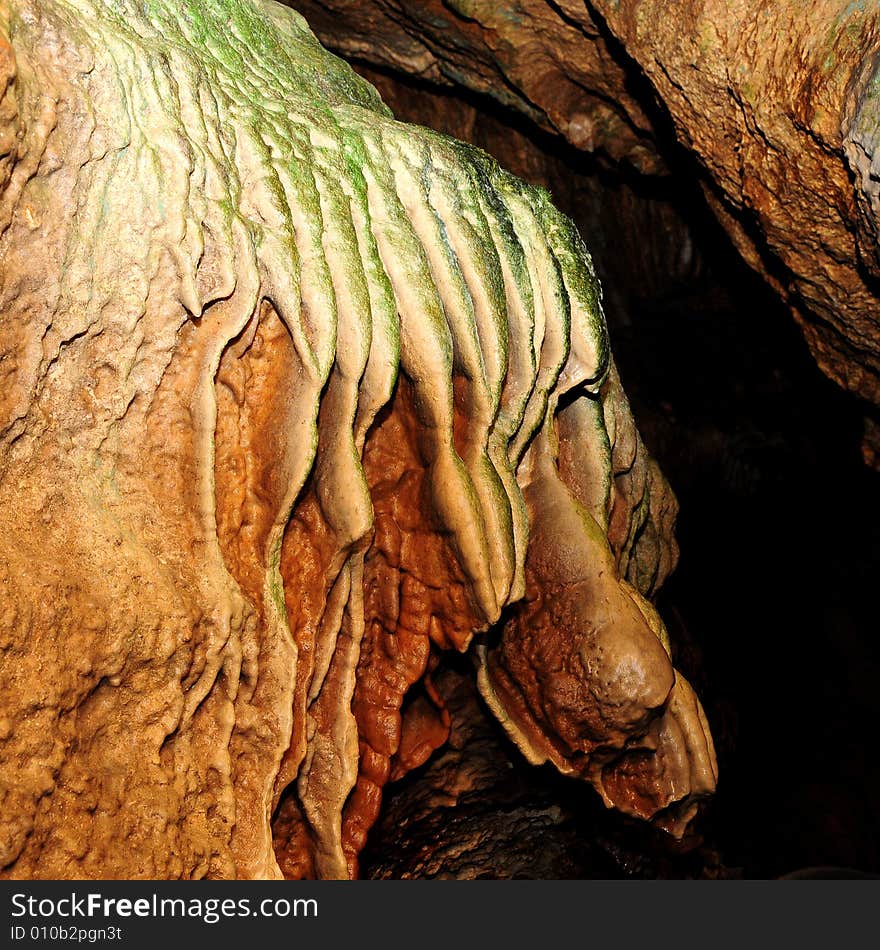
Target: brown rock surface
[
  {"x": 546, "y": 60},
  {"x": 473, "y": 813},
  {"x": 289, "y": 388},
  {"x": 778, "y": 104}
]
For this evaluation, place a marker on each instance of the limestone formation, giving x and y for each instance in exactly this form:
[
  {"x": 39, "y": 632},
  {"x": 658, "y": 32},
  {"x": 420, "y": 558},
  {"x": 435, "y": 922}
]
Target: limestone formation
[
  {"x": 777, "y": 106},
  {"x": 294, "y": 397},
  {"x": 472, "y": 813}
]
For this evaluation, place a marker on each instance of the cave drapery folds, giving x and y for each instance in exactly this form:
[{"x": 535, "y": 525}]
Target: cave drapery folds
[{"x": 295, "y": 398}]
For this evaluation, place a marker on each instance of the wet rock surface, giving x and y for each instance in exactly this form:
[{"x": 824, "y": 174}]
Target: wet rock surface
[
  {"x": 773, "y": 110},
  {"x": 778, "y": 519},
  {"x": 297, "y": 398},
  {"x": 473, "y": 813}
]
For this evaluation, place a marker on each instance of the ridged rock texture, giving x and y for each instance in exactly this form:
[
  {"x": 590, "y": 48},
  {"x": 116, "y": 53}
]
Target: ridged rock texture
[
  {"x": 294, "y": 397},
  {"x": 777, "y": 104}
]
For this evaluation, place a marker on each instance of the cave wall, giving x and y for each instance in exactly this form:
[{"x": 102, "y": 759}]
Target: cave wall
[
  {"x": 751, "y": 435},
  {"x": 773, "y": 110}
]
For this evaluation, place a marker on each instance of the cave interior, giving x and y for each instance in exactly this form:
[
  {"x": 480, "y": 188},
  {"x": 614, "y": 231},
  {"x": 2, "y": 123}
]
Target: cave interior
[
  {"x": 770, "y": 608},
  {"x": 267, "y": 589}
]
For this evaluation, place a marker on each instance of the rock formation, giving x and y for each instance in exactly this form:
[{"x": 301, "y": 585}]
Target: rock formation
[
  {"x": 472, "y": 813},
  {"x": 295, "y": 397},
  {"x": 778, "y": 106}
]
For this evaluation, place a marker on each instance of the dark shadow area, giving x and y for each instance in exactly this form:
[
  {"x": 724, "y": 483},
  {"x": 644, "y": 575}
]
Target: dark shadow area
[{"x": 771, "y": 606}]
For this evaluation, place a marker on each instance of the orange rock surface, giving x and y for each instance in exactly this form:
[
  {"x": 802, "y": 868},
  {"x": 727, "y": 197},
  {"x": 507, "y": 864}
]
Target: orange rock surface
[{"x": 294, "y": 398}]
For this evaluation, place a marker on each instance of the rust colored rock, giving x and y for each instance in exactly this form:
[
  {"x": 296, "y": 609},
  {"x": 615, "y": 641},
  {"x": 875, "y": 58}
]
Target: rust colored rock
[
  {"x": 295, "y": 396},
  {"x": 778, "y": 104}
]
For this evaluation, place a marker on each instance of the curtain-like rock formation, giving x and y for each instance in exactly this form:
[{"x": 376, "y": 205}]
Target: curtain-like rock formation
[
  {"x": 779, "y": 104},
  {"x": 294, "y": 396}
]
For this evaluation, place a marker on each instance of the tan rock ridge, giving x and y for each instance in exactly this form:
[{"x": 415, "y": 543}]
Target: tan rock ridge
[
  {"x": 294, "y": 396},
  {"x": 778, "y": 105}
]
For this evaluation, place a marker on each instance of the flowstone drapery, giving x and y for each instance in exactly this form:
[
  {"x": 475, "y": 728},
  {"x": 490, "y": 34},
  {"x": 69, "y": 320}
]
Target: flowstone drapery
[
  {"x": 777, "y": 107},
  {"x": 294, "y": 398}
]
